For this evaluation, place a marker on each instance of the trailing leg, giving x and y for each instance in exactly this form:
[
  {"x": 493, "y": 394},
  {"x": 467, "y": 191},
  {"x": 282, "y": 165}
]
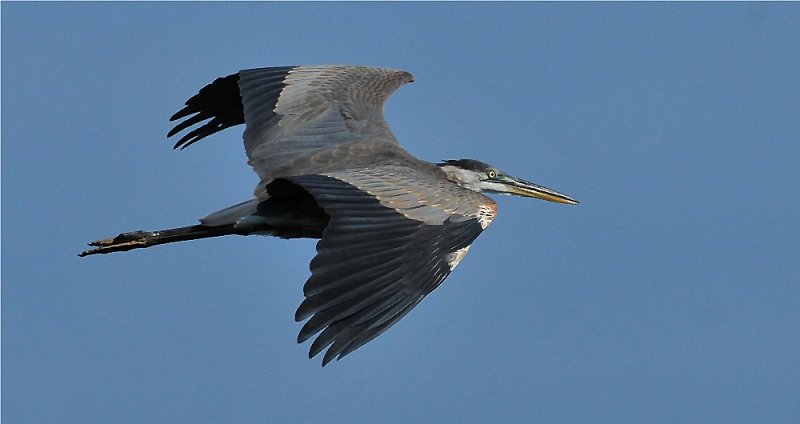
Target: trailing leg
[{"x": 141, "y": 239}]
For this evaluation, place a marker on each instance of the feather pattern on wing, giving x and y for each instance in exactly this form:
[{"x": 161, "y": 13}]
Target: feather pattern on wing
[
  {"x": 373, "y": 265},
  {"x": 293, "y": 111}
]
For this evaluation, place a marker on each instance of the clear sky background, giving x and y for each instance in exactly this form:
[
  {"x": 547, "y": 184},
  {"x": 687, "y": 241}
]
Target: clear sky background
[{"x": 670, "y": 294}]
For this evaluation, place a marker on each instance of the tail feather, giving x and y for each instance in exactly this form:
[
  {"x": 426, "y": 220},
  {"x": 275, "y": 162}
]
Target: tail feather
[{"x": 141, "y": 239}]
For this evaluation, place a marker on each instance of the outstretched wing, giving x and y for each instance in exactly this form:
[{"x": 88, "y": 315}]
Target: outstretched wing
[
  {"x": 292, "y": 111},
  {"x": 375, "y": 263}
]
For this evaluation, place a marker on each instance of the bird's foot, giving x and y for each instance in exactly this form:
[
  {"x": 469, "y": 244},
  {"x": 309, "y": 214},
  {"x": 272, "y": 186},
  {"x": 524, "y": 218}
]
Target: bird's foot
[{"x": 120, "y": 243}]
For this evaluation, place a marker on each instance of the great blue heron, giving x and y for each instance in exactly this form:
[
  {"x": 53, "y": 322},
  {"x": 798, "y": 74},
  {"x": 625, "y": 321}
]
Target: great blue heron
[{"x": 391, "y": 226}]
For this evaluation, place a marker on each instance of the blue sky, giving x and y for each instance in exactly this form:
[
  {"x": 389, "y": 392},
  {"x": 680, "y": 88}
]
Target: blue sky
[{"x": 670, "y": 294}]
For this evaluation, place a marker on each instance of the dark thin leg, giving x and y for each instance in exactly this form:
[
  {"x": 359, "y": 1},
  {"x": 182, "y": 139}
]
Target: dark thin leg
[{"x": 141, "y": 239}]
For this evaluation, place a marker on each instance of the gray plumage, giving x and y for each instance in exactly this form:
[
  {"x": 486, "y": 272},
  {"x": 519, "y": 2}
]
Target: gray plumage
[{"x": 391, "y": 227}]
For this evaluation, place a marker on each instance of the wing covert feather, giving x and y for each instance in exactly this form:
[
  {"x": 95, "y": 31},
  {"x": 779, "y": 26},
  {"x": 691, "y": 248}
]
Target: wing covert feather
[{"x": 292, "y": 110}]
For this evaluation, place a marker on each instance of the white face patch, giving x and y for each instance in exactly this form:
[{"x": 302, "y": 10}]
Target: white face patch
[
  {"x": 494, "y": 187},
  {"x": 454, "y": 258}
]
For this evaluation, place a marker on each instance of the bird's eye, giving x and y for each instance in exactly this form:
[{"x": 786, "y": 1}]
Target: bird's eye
[{"x": 491, "y": 173}]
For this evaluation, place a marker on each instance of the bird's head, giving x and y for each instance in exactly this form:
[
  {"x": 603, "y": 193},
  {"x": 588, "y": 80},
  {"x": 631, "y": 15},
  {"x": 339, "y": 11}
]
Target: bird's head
[{"x": 481, "y": 177}]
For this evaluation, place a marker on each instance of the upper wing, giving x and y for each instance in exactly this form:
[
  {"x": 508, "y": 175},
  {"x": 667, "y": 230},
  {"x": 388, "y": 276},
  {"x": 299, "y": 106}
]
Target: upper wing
[
  {"x": 291, "y": 111},
  {"x": 375, "y": 263}
]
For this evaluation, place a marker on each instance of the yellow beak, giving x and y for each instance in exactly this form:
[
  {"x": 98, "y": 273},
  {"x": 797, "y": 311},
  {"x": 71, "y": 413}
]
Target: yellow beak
[{"x": 528, "y": 189}]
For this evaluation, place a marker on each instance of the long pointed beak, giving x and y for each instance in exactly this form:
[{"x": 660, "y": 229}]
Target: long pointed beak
[{"x": 524, "y": 188}]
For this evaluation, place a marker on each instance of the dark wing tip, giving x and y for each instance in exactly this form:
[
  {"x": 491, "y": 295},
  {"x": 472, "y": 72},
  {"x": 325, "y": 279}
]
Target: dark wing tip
[{"x": 219, "y": 102}]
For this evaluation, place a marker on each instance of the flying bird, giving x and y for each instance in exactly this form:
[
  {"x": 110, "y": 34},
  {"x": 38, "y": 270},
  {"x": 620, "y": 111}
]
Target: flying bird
[{"x": 391, "y": 227}]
